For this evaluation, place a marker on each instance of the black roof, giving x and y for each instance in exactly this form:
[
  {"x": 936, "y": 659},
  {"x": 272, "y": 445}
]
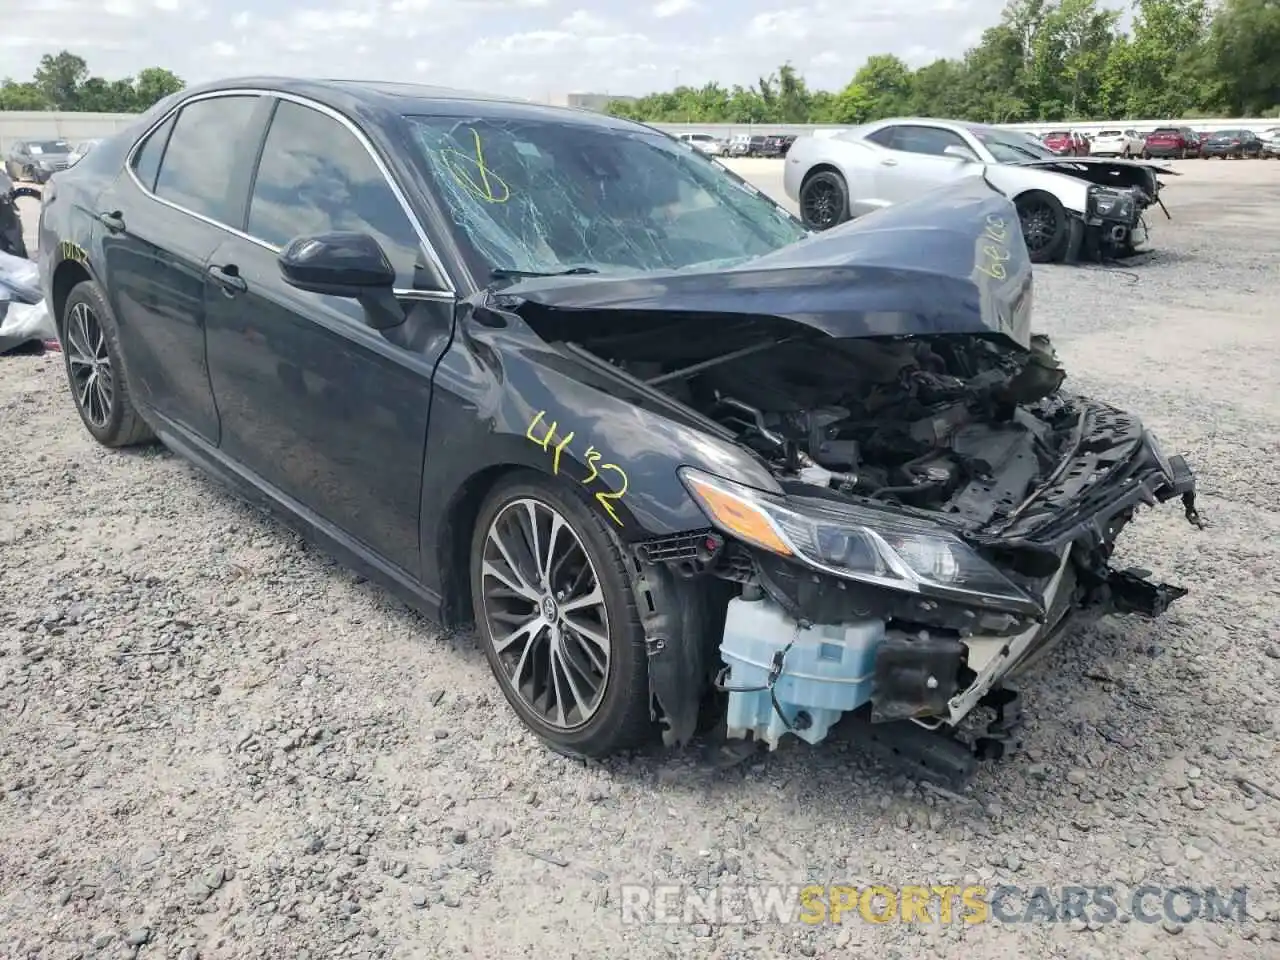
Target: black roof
[{"x": 363, "y": 97}]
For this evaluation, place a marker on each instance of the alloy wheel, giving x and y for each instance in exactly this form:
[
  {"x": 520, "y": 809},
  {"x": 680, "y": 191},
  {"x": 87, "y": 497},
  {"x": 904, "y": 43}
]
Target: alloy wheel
[
  {"x": 92, "y": 378},
  {"x": 545, "y": 612},
  {"x": 1039, "y": 224},
  {"x": 822, "y": 204}
]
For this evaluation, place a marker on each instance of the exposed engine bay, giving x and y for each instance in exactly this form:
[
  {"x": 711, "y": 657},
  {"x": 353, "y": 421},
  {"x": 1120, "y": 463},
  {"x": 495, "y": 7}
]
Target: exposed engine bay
[
  {"x": 970, "y": 434},
  {"x": 936, "y": 424}
]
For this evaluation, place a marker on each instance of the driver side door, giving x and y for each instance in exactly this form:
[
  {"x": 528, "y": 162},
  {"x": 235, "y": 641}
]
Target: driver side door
[
  {"x": 915, "y": 160},
  {"x": 328, "y": 413}
]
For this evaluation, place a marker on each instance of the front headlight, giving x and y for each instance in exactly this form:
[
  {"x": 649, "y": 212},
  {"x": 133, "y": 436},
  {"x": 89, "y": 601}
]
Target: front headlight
[
  {"x": 864, "y": 544},
  {"x": 1106, "y": 203}
]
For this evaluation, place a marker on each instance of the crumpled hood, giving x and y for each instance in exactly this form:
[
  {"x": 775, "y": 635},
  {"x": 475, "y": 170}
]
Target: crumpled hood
[
  {"x": 950, "y": 262},
  {"x": 1161, "y": 168}
]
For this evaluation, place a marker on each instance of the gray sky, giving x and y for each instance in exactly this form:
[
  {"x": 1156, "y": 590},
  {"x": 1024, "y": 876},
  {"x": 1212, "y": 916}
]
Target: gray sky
[{"x": 522, "y": 47}]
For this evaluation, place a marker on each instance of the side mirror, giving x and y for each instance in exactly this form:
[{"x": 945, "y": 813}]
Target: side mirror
[
  {"x": 959, "y": 153},
  {"x": 350, "y": 265}
]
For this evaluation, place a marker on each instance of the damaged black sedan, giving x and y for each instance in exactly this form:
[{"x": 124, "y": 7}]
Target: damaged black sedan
[{"x": 681, "y": 462}]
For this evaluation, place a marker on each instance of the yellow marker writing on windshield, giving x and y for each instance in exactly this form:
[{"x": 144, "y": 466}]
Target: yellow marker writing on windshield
[{"x": 474, "y": 175}]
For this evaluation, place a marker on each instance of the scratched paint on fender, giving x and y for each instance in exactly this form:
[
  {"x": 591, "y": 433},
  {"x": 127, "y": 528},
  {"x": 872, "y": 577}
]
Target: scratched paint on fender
[{"x": 550, "y": 439}]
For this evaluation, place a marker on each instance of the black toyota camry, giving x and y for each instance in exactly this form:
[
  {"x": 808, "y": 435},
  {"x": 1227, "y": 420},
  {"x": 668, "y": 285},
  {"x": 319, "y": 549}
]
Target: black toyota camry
[{"x": 685, "y": 466}]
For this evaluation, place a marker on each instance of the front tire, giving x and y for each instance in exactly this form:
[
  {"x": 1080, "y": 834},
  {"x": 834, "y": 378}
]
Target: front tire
[
  {"x": 1044, "y": 226},
  {"x": 824, "y": 200},
  {"x": 556, "y": 613},
  {"x": 95, "y": 370}
]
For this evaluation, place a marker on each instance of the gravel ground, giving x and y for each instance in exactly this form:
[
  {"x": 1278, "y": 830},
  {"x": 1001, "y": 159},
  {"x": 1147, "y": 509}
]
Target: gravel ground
[{"x": 214, "y": 742}]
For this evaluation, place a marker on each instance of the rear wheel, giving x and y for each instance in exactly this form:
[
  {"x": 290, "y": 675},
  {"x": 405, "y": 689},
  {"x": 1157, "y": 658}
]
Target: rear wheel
[
  {"x": 1044, "y": 226},
  {"x": 555, "y": 611},
  {"x": 824, "y": 200},
  {"x": 95, "y": 372}
]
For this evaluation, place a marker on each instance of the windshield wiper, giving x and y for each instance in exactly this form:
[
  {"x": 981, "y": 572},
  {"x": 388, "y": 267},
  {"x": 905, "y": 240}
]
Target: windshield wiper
[{"x": 502, "y": 273}]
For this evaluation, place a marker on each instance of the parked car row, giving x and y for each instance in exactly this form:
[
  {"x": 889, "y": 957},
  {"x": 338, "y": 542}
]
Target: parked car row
[
  {"x": 1166, "y": 143},
  {"x": 38, "y": 160}
]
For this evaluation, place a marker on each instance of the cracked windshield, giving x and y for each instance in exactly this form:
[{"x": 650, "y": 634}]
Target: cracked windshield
[{"x": 546, "y": 197}]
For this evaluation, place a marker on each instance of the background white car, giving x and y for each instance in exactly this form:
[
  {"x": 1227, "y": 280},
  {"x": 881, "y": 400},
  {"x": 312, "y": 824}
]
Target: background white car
[
  {"x": 704, "y": 142},
  {"x": 1065, "y": 204},
  {"x": 1118, "y": 143},
  {"x": 1271, "y": 142}
]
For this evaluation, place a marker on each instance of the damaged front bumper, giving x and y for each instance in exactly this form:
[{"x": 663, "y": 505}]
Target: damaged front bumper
[
  {"x": 801, "y": 649},
  {"x": 1112, "y": 225}
]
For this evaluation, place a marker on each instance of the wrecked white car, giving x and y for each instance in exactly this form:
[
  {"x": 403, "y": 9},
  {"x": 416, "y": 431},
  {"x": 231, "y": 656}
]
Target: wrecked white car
[{"x": 1069, "y": 208}]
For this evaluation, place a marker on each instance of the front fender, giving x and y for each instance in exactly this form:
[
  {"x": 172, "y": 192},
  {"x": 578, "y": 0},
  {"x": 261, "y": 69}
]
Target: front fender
[
  {"x": 1012, "y": 181},
  {"x": 547, "y": 411},
  {"x": 503, "y": 398}
]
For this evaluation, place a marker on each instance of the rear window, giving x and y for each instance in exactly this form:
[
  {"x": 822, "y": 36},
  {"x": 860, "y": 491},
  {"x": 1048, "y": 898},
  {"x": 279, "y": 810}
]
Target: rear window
[
  {"x": 1057, "y": 133},
  {"x": 1110, "y": 133},
  {"x": 1166, "y": 132}
]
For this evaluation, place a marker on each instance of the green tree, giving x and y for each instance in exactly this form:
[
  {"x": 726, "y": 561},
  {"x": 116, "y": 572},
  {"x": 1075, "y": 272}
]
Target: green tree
[
  {"x": 153, "y": 85},
  {"x": 1244, "y": 53},
  {"x": 887, "y": 81},
  {"x": 63, "y": 82},
  {"x": 21, "y": 96},
  {"x": 59, "y": 77},
  {"x": 1164, "y": 60}
]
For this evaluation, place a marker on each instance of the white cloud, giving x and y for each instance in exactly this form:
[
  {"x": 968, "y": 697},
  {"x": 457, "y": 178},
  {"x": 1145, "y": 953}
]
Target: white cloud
[
  {"x": 583, "y": 23},
  {"x": 672, "y": 8},
  {"x": 524, "y": 47}
]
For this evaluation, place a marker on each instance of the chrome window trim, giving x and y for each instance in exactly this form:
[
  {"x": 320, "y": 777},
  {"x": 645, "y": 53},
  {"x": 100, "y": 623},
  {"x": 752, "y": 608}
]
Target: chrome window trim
[{"x": 450, "y": 293}]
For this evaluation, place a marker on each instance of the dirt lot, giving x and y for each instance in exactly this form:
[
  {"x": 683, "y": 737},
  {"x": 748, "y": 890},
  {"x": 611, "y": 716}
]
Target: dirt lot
[{"x": 214, "y": 742}]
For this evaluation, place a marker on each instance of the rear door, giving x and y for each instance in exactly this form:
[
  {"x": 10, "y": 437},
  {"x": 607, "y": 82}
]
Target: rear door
[
  {"x": 916, "y": 160},
  {"x": 326, "y": 410},
  {"x": 183, "y": 187}
]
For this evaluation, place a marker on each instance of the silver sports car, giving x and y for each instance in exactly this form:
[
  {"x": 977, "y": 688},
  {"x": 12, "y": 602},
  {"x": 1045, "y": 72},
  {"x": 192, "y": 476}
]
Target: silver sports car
[{"x": 1070, "y": 207}]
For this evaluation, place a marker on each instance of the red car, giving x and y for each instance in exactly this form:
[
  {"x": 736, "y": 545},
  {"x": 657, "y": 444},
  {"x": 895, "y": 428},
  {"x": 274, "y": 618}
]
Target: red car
[
  {"x": 1067, "y": 143},
  {"x": 1181, "y": 142}
]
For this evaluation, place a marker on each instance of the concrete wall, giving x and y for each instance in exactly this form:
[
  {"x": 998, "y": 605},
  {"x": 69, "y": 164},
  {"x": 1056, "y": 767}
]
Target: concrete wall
[
  {"x": 82, "y": 126},
  {"x": 21, "y": 125}
]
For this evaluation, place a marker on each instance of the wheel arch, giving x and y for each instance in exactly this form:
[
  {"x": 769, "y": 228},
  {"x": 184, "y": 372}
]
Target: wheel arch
[
  {"x": 822, "y": 166},
  {"x": 66, "y": 277},
  {"x": 453, "y": 545},
  {"x": 458, "y": 521}
]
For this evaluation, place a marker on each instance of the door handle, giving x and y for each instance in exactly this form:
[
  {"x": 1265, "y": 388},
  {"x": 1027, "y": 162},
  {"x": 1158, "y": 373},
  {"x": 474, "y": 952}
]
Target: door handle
[
  {"x": 889, "y": 162},
  {"x": 113, "y": 220},
  {"x": 229, "y": 279}
]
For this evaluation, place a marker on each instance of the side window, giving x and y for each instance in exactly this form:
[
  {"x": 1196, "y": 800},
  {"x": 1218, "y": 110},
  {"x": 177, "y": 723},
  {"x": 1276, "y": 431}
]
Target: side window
[
  {"x": 315, "y": 177},
  {"x": 931, "y": 141},
  {"x": 884, "y": 136},
  {"x": 202, "y": 154},
  {"x": 146, "y": 162}
]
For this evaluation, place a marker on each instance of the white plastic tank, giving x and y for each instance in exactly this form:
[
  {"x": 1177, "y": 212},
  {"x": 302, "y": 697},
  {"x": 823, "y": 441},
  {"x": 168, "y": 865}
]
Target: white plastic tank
[{"x": 827, "y": 670}]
